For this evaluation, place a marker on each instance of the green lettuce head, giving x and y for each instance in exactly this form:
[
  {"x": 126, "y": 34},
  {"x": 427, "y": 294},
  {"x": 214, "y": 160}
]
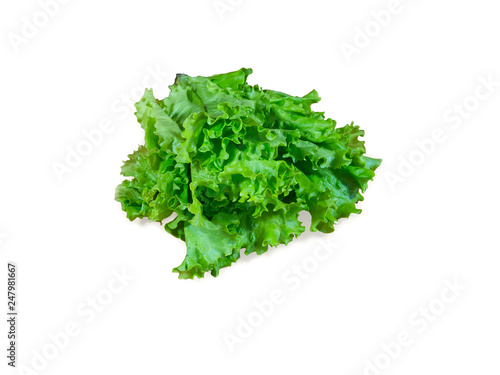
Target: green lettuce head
[{"x": 237, "y": 164}]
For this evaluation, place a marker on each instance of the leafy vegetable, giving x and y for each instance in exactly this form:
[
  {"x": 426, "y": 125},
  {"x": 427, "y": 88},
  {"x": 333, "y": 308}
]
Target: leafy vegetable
[{"x": 237, "y": 164}]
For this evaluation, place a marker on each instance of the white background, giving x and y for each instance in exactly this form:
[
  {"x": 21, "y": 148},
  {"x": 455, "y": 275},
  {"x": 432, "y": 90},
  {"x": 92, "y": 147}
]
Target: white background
[{"x": 438, "y": 223}]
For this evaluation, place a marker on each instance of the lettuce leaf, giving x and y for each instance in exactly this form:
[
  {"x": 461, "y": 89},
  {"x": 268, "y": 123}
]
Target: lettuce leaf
[{"x": 236, "y": 164}]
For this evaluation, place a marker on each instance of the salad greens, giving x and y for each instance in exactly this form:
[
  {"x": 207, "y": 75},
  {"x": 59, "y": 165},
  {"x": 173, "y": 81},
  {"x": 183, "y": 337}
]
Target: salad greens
[{"x": 237, "y": 164}]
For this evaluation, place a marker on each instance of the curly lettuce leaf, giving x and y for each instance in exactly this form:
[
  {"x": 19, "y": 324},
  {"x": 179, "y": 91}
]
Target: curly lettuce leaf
[{"x": 237, "y": 164}]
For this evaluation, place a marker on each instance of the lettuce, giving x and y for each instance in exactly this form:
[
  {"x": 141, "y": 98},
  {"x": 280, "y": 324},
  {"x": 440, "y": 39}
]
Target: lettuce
[{"x": 236, "y": 164}]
